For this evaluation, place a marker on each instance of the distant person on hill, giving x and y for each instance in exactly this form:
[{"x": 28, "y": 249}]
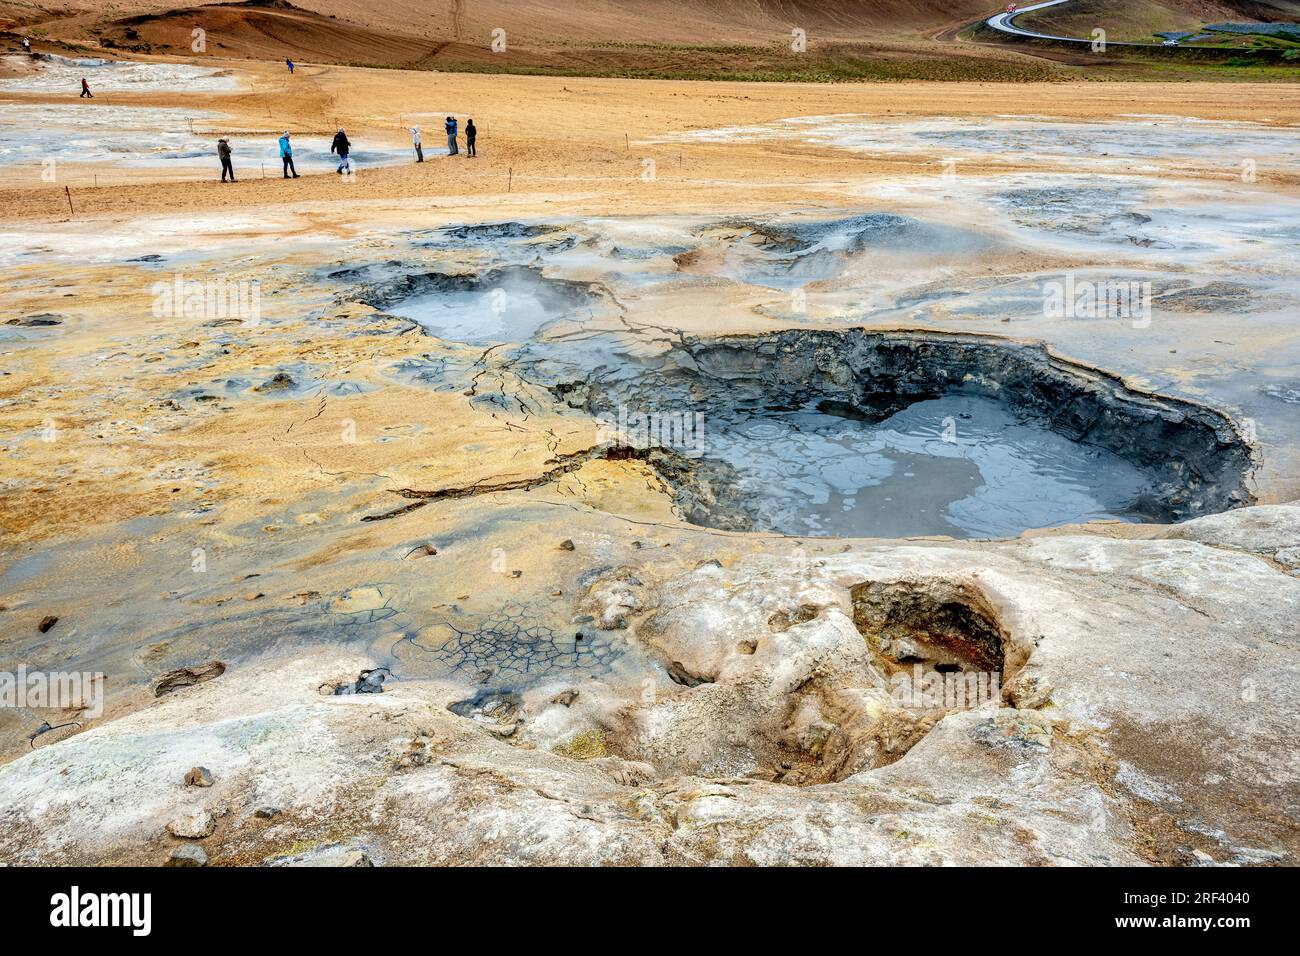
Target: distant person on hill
[
  {"x": 85, "y": 89},
  {"x": 450, "y": 126},
  {"x": 27, "y": 44},
  {"x": 286, "y": 156},
  {"x": 342, "y": 147},
  {"x": 470, "y": 134},
  {"x": 415, "y": 141},
  {"x": 289, "y": 63},
  {"x": 223, "y": 153}
]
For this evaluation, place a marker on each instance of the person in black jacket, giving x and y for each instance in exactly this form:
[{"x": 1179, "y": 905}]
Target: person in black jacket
[
  {"x": 342, "y": 147},
  {"x": 223, "y": 153},
  {"x": 470, "y": 134}
]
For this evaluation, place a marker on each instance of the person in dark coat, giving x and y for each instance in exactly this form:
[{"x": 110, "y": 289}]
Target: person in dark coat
[
  {"x": 223, "y": 153},
  {"x": 342, "y": 147},
  {"x": 470, "y": 134}
]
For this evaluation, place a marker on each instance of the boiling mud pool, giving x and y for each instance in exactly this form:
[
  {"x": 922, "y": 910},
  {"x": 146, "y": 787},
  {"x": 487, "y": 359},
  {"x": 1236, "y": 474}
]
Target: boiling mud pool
[
  {"x": 958, "y": 465},
  {"x": 478, "y": 317}
]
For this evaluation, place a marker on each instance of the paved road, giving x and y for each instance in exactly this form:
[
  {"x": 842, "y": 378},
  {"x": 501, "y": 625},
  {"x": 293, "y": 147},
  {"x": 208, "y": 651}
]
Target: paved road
[{"x": 1006, "y": 22}]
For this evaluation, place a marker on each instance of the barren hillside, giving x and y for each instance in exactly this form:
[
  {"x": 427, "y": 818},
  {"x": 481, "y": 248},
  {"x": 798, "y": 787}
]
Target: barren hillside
[{"x": 703, "y": 39}]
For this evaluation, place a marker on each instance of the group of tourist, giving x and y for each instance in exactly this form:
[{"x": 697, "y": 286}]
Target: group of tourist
[
  {"x": 450, "y": 127},
  {"x": 341, "y": 147}
]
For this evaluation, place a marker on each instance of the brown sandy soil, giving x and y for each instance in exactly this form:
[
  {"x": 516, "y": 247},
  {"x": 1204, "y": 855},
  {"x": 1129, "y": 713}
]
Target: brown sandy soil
[{"x": 547, "y": 135}]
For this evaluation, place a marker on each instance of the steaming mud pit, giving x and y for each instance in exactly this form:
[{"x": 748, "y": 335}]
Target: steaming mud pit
[
  {"x": 905, "y": 434},
  {"x": 921, "y": 571}
]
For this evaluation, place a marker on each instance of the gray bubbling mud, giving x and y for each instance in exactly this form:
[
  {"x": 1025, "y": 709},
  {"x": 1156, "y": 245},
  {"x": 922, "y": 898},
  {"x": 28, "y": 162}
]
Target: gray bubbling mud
[
  {"x": 910, "y": 434},
  {"x": 792, "y": 254},
  {"x": 959, "y": 465},
  {"x": 897, "y": 433},
  {"x": 510, "y": 304}
]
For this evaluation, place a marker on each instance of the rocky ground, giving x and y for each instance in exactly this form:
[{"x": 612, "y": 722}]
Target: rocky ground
[
  {"x": 370, "y": 579},
  {"x": 1145, "y": 718}
]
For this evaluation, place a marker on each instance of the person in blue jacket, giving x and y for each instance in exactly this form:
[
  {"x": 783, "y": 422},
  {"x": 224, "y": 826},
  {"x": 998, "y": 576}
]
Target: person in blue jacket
[
  {"x": 286, "y": 156},
  {"x": 450, "y": 126}
]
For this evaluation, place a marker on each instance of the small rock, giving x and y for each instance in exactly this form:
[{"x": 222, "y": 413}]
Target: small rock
[
  {"x": 369, "y": 682},
  {"x": 47, "y": 622},
  {"x": 266, "y": 813},
  {"x": 516, "y": 574},
  {"x": 1029, "y": 693},
  {"x": 185, "y": 676},
  {"x": 188, "y": 854},
  {"x": 500, "y": 712},
  {"x": 38, "y": 320},
  {"x": 357, "y": 858},
  {"x": 277, "y": 382},
  {"x": 565, "y": 697},
  {"x": 192, "y": 824},
  {"x": 198, "y": 777},
  {"x": 567, "y": 544}
]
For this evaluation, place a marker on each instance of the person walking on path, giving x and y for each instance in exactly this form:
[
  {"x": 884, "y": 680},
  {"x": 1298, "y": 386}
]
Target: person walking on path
[
  {"x": 415, "y": 141},
  {"x": 85, "y": 89},
  {"x": 450, "y": 126},
  {"x": 470, "y": 134},
  {"x": 289, "y": 63},
  {"x": 286, "y": 156},
  {"x": 342, "y": 147},
  {"x": 223, "y": 153}
]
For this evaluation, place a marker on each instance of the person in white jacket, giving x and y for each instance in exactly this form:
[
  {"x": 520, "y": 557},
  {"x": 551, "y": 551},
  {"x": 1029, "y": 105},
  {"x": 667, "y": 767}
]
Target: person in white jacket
[{"x": 415, "y": 141}]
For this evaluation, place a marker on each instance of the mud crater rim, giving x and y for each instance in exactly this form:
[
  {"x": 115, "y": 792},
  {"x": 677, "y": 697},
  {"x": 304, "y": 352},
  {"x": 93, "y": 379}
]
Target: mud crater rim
[{"x": 1193, "y": 459}]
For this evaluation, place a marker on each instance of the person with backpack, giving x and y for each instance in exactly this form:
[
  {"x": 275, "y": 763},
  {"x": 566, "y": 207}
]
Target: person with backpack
[
  {"x": 342, "y": 147},
  {"x": 286, "y": 156},
  {"x": 223, "y": 153},
  {"x": 470, "y": 134}
]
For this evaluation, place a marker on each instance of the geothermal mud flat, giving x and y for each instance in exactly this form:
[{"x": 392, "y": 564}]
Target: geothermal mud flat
[{"x": 783, "y": 533}]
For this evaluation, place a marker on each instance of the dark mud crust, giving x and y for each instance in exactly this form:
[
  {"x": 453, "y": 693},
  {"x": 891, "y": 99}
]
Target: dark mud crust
[
  {"x": 560, "y": 294},
  {"x": 1199, "y": 460}
]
